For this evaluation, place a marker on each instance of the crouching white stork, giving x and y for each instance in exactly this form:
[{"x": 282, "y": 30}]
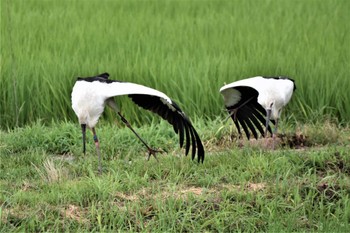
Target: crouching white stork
[
  {"x": 90, "y": 96},
  {"x": 256, "y": 101}
]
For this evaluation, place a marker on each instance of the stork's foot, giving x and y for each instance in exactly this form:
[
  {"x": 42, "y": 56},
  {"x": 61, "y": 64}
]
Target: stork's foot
[{"x": 154, "y": 152}]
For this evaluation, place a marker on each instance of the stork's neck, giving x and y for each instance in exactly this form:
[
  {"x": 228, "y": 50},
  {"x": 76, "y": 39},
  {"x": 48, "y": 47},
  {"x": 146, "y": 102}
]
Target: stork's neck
[{"x": 269, "y": 101}]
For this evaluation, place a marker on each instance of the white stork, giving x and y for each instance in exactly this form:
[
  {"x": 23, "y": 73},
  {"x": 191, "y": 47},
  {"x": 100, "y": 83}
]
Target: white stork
[
  {"x": 256, "y": 101},
  {"x": 90, "y": 96}
]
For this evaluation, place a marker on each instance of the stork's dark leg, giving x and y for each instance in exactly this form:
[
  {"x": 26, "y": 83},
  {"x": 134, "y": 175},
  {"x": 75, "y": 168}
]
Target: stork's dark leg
[
  {"x": 274, "y": 134},
  {"x": 111, "y": 103},
  {"x": 97, "y": 145},
  {"x": 268, "y": 116},
  {"x": 234, "y": 111},
  {"x": 83, "y": 130},
  {"x": 150, "y": 150}
]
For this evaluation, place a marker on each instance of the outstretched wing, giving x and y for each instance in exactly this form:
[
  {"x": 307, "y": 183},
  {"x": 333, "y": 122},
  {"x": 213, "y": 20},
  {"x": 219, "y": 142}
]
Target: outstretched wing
[
  {"x": 171, "y": 112},
  {"x": 149, "y": 99},
  {"x": 242, "y": 104}
]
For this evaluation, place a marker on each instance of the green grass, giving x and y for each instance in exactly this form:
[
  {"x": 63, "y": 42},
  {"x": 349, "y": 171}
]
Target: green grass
[
  {"x": 187, "y": 49},
  {"x": 47, "y": 184}
]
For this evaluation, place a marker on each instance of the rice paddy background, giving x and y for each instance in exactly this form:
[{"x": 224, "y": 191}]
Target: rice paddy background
[{"x": 187, "y": 49}]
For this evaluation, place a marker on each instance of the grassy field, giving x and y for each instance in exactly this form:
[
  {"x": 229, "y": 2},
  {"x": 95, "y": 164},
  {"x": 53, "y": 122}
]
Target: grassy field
[
  {"x": 187, "y": 49},
  {"x": 48, "y": 185}
]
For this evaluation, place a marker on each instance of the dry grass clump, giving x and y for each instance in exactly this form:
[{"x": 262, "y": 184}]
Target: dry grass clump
[{"x": 51, "y": 172}]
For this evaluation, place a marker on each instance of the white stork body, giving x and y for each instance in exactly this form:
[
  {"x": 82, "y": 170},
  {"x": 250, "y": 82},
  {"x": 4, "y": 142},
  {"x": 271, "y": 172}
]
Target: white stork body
[
  {"x": 90, "y": 96},
  {"x": 255, "y": 101}
]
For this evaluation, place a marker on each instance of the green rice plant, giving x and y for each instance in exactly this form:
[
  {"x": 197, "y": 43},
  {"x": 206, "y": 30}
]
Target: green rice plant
[{"x": 187, "y": 49}]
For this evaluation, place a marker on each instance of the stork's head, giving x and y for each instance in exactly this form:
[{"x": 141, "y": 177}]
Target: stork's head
[
  {"x": 273, "y": 110},
  {"x": 272, "y": 107},
  {"x": 271, "y": 103}
]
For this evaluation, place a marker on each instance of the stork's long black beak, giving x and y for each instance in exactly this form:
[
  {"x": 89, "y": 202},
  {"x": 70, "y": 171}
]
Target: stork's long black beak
[
  {"x": 268, "y": 116},
  {"x": 83, "y": 130}
]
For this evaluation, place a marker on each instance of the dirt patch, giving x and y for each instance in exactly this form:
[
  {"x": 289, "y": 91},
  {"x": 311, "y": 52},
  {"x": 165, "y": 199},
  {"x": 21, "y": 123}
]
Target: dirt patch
[
  {"x": 255, "y": 186},
  {"x": 293, "y": 141},
  {"x": 126, "y": 197},
  {"x": 249, "y": 187},
  {"x": 27, "y": 186},
  {"x": 183, "y": 192},
  {"x": 148, "y": 195},
  {"x": 74, "y": 212},
  {"x": 330, "y": 191},
  {"x": 296, "y": 141}
]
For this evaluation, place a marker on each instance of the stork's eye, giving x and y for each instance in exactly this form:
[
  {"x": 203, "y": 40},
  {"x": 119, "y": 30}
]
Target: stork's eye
[{"x": 271, "y": 105}]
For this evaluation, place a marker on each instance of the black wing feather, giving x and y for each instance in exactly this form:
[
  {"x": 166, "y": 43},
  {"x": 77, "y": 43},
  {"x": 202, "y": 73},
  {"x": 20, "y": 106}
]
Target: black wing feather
[
  {"x": 249, "y": 113},
  {"x": 244, "y": 126},
  {"x": 180, "y": 130},
  {"x": 261, "y": 117},
  {"x": 256, "y": 122},
  {"x": 193, "y": 143},
  {"x": 248, "y": 118},
  {"x": 237, "y": 126},
  {"x": 176, "y": 117},
  {"x": 200, "y": 146},
  {"x": 188, "y": 143}
]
